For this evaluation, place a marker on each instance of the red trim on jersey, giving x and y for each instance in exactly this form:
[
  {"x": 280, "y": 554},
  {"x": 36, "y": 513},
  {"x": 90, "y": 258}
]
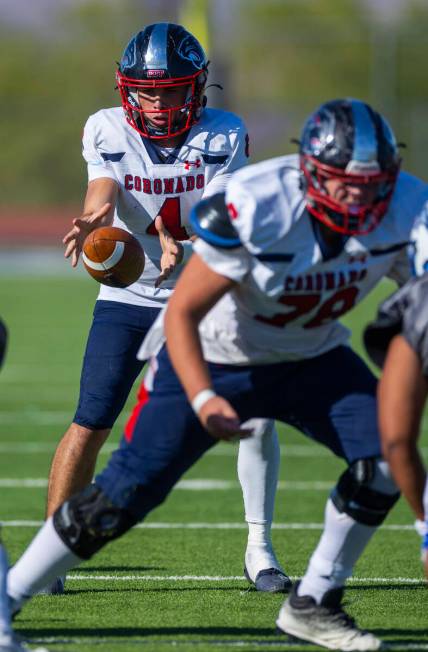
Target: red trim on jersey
[{"x": 142, "y": 398}]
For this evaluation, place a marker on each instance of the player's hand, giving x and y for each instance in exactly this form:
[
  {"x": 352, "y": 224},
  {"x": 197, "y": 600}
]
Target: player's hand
[
  {"x": 222, "y": 422},
  {"x": 172, "y": 252},
  {"x": 82, "y": 226}
]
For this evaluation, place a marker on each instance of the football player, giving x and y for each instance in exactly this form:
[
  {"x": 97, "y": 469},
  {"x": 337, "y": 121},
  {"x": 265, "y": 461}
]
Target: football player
[
  {"x": 402, "y": 324},
  {"x": 252, "y": 330},
  {"x": 149, "y": 162}
]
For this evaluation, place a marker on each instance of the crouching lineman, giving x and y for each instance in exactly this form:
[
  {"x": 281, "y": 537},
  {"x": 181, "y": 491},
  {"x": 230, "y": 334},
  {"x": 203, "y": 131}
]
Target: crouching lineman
[
  {"x": 402, "y": 324},
  {"x": 252, "y": 331}
]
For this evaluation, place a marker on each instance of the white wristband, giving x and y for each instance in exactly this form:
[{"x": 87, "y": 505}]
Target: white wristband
[{"x": 201, "y": 398}]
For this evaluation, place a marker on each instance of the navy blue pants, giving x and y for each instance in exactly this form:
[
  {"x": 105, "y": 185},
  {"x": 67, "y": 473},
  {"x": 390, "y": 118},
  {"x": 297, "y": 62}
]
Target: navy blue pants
[
  {"x": 330, "y": 398},
  {"x": 110, "y": 365}
]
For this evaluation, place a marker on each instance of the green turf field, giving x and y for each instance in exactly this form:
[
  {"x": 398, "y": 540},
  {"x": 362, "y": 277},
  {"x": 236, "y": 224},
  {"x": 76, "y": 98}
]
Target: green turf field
[{"x": 175, "y": 583}]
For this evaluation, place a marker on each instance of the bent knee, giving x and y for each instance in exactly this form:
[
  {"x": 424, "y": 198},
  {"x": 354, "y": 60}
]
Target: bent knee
[
  {"x": 89, "y": 520},
  {"x": 366, "y": 491}
]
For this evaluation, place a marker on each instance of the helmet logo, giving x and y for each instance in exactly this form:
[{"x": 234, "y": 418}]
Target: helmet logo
[
  {"x": 187, "y": 50},
  {"x": 129, "y": 58},
  {"x": 156, "y": 73}
]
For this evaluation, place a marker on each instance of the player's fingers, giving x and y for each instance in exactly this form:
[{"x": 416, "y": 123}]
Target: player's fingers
[
  {"x": 160, "y": 279},
  {"x": 227, "y": 428},
  {"x": 71, "y": 235},
  {"x": 70, "y": 248},
  {"x": 75, "y": 258}
]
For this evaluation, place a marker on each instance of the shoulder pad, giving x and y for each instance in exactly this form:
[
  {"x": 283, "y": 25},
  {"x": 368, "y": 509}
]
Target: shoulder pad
[{"x": 211, "y": 222}]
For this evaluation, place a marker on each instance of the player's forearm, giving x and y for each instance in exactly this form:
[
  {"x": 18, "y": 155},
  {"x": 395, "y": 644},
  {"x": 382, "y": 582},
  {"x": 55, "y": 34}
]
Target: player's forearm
[
  {"x": 100, "y": 192},
  {"x": 408, "y": 471}
]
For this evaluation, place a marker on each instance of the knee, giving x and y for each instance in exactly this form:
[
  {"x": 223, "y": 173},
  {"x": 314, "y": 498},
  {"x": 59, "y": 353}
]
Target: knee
[
  {"x": 366, "y": 491},
  {"x": 89, "y": 520}
]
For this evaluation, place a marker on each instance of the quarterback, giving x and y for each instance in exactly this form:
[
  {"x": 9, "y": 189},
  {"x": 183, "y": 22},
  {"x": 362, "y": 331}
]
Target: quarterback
[
  {"x": 252, "y": 330},
  {"x": 149, "y": 162}
]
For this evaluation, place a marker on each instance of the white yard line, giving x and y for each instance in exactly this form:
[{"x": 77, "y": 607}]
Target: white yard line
[
  {"x": 187, "y": 485},
  {"x": 225, "y": 578},
  {"x": 221, "y": 450},
  {"x": 214, "y": 526},
  {"x": 281, "y": 643}
]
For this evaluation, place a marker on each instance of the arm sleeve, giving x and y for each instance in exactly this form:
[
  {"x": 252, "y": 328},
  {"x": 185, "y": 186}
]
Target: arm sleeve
[{"x": 97, "y": 167}]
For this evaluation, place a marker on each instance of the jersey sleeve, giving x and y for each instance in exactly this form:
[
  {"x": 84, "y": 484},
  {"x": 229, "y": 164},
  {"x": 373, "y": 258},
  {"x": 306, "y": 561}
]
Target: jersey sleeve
[
  {"x": 92, "y": 138},
  {"x": 405, "y": 312},
  {"x": 239, "y": 155},
  {"x": 218, "y": 243},
  {"x": 231, "y": 264}
]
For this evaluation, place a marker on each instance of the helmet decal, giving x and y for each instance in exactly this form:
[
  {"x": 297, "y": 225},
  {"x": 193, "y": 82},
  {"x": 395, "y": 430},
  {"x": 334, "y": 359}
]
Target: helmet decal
[
  {"x": 187, "y": 50},
  {"x": 129, "y": 58}
]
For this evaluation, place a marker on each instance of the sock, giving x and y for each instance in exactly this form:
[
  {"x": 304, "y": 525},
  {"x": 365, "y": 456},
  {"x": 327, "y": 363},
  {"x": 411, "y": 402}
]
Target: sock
[
  {"x": 5, "y": 626},
  {"x": 258, "y": 467},
  {"x": 338, "y": 550},
  {"x": 45, "y": 558}
]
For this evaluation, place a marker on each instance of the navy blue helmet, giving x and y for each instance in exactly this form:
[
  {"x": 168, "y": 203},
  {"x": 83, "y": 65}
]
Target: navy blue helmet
[
  {"x": 163, "y": 56},
  {"x": 348, "y": 141}
]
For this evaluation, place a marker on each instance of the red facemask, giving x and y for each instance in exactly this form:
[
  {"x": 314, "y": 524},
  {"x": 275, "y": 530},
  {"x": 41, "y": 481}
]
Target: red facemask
[
  {"x": 180, "y": 118},
  {"x": 338, "y": 216}
]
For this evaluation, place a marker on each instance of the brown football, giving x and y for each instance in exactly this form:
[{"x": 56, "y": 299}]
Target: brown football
[{"x": 113, "y": 256}]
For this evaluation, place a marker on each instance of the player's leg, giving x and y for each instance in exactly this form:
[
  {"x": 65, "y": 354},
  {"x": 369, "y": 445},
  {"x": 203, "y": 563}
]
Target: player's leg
[
  {"x": 343, "y": 416},
  {"x": 9, "y": 642},
  {"x": 110, "y": 367},
  {"x": 165, "y": 439},
  {"x": 73, "y": 464},
  {"x": 258, "y": 466}
]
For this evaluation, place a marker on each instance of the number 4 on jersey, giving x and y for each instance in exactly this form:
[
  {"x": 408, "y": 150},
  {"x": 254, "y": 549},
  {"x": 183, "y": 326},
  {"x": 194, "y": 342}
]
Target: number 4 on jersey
[{"x": 171, "y": 216}]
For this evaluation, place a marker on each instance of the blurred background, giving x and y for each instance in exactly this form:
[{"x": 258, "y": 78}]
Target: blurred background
[{"x": 276, "y": 59}]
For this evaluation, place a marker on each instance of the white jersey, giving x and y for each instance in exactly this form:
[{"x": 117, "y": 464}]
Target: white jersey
[
  {"x": 288, "y": 297},
  {"x": 216, "y": 146}
]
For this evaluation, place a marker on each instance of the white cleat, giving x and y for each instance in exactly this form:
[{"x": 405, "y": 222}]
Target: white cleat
[
  {"x": 262, "y": 569},
  {"x": 325, "y": 624}
]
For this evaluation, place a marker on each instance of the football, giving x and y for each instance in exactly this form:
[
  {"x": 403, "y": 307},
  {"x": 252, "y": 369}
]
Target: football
[{"x": 113, "y": 257}]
